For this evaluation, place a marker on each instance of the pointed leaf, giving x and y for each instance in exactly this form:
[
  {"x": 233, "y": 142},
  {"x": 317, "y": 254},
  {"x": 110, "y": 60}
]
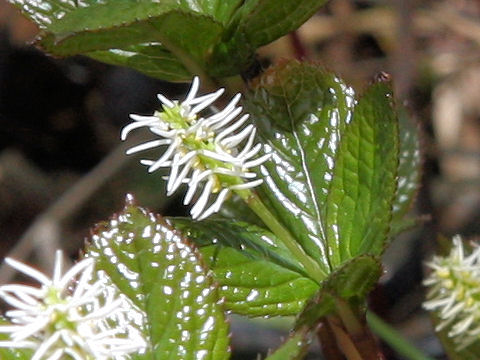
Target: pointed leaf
[
  {"x": 110, "y": 30},
  {"x": 187, "y": 32},
  {"x": 216, "y": 36},
  {"x": 254, "y": 270},
  {"x": 257, "y": 23},
  {"x": 359, "y": 202},
  {"x": 301, "y": 112},
  {"x": 164, "y": 275}
]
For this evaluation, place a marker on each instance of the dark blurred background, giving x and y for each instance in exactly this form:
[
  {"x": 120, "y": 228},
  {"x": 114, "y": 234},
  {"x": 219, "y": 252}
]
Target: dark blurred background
[{"x": 62, "y": 166}]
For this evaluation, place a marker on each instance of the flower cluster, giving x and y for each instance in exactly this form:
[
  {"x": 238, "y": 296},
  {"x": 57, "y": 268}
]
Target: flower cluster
[
  {"x": 454, "y": 293},
  {"x": 214, "y": 151},
  {"x": 70, "y": 315}
]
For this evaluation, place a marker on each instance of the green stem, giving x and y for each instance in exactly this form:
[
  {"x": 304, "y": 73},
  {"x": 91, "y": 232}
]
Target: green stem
[
  {"x": 393, "y": 338},
  {"x": 310, "y": 266}
]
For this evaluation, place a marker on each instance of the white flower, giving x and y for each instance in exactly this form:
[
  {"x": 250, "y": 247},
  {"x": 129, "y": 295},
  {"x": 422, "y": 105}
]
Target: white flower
[
  {"x": 454, "y": 294},
  {"x": 70, "y": 315},
  {"x": 212, "y": 150}
]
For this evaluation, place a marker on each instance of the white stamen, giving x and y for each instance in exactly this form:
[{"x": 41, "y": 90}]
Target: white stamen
[
  {"x": 454, "y": 289},
  {"x": 193, "y": 90},
  {"x": 148, "y": 145},
  {"x": 202, "y": 200},
  {"x": 231, "y": 128},
  {"x": 135, "y": 125},
  {"x": 67, "y": 313},
  {"x": 165, "y": 101},
  {"x": 27, "y": 270},
  {"x": 217, "y": 150},
  {"x": 248, "y": 185}
]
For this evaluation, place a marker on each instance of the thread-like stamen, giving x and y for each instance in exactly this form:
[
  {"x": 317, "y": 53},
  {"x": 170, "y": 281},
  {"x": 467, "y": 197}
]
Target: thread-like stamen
[
  {"x": 216, "y": 151},
  {"x": 67, "y": 313}
]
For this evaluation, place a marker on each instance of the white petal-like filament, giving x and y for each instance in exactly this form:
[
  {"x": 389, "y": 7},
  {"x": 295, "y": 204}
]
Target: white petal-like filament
[
  {"x": 454, "y": 293},
  {"x": 212, "y": 155},
  {"x": 78, "y": 314}
]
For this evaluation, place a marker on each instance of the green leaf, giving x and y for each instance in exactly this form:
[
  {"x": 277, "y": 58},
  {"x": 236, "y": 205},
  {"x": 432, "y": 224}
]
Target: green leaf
[
  {"x": 359, "y": 202},
  {"x": 263, "y": 21},
  {"x": 351, "y": 282},
  {"x": 11, "y": 353},
  {"x": 164, "y": 276},
  {"x": 409, "y": 171},
  {"x": 62, "y": 16},
  {"x": 254, "y": 241},
  {"x": 294, "y": 348},
  {"x": 257, "y": 287},
  {"x": 254, "y": 24},
  {"x": 187, "y": 31},
  {"x": 213, "y": 36},
  {"x": 254, "y": 270},
  {"x": 84, "y": 31},
  {"x": 301, "y": 113},
  {"x": 120, "y": 32},
  {"x": 151, "y": 59}
]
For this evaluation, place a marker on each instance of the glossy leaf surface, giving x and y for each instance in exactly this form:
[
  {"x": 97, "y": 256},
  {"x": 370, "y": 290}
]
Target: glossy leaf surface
[
  {"x": 301, "y": 113},
  {"x": 256, "y": 275},
  {"x": 184, "y": 33},
  {"x": 253, "y": 240},
  {"x": 331, "y": 179},
  {"x": 165, "y": 277},
  {"x": 211, "y": 36},
  {"x": 255, "y": 287},
  {"x": 359, "y": 203}
]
